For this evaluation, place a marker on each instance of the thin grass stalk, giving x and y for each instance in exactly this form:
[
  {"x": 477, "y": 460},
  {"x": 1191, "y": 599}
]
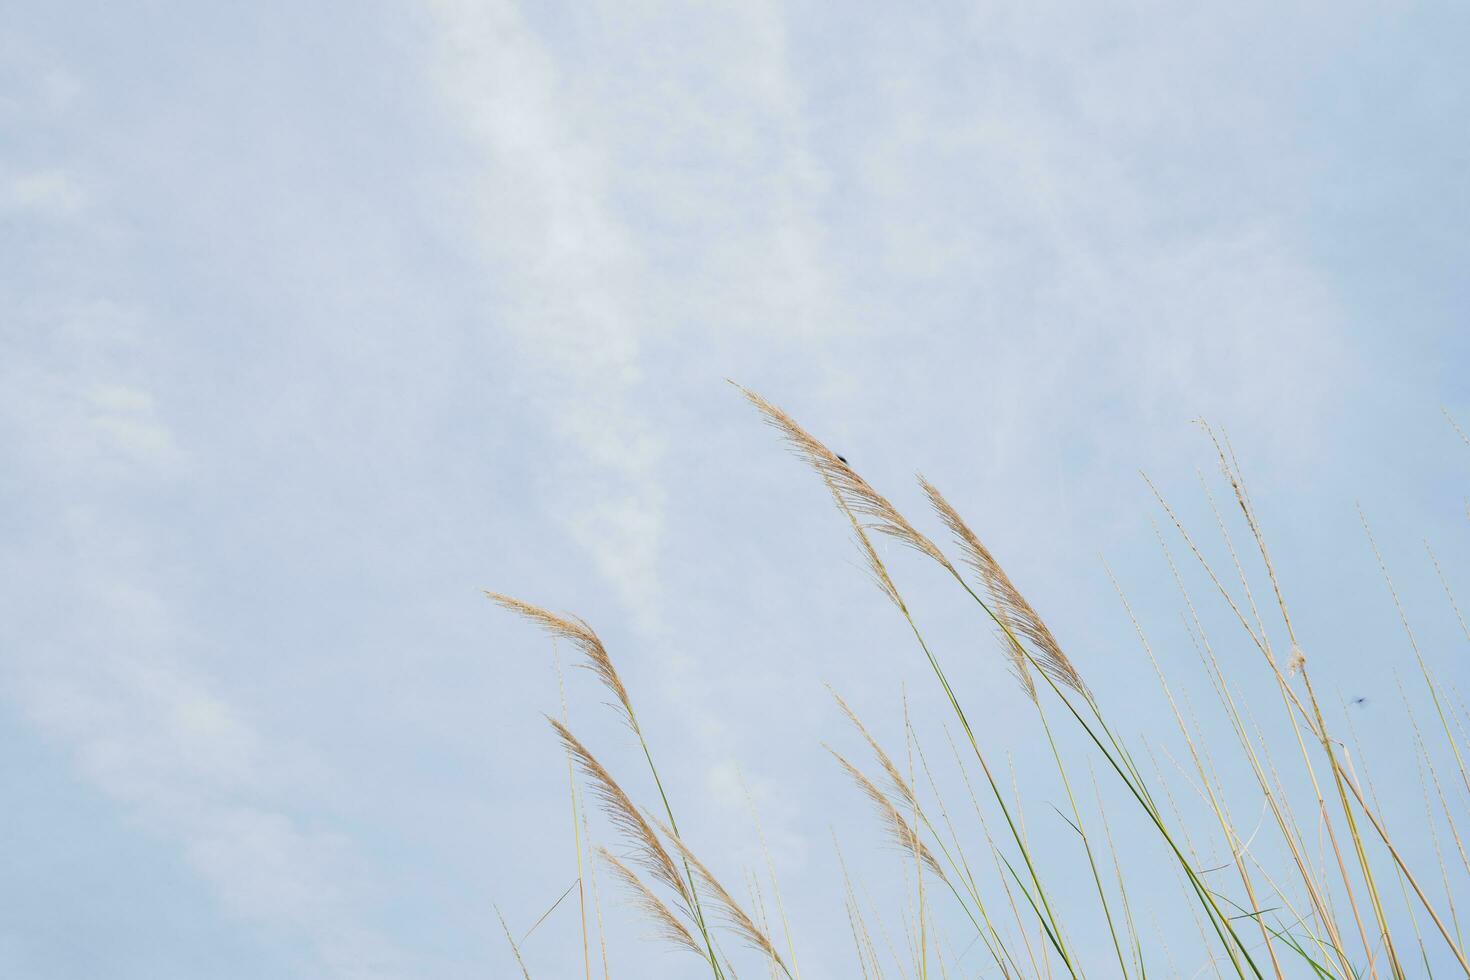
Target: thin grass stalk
[
  {"x": 1422, "y": 762},
  {"x": 516, "y": 950},
  {"x": 1434, "y": 778},
  {"x": 585, "y": 639},
  {"x": 1086, "y": 844},
  {"x": 855, "y": 497},
  {"x": 1057, "y": 671},
  {"x": 1456, "y": 426},
  {"x": 636, "y": 829},
  {"x": 1135, "y": 947},
  {"x": 886, "y": 584},
  {"x": 1403, "y": 888},
  {"x": 1418, "y": 656},
  {"x": 1278, "y": 801},
  {"x": 862, "y": 936},
  {"x": 1449, "y": 593},
  {"x": 909, "y": 839},
  {"x": 736, "y": 917},
  {"x": 1298, "y": 664},
  {"x": 596, "y": 904},
  {"x": 962, "y": 867},
  {"x": 1325, "y": 948},
  {"x": 576, "y": 819},
  {"x": 1125, "y": 769},
  {"x": 994, "y": 852},
  {"x": 670, "y": 928},
  {"x": 919, "y": 852},
  {"x": 1393, "y": 851},
  {"x": 1219, "y": 920},
  {"x": 1421, "y": 759},
  {"x": 1216, "y": 806},
  {"x": 1231, "y": 469},
  {"x": 959, "y": 865},
  {"x": 775, "y": 885},
  {"x": 1295, "y": 709}
]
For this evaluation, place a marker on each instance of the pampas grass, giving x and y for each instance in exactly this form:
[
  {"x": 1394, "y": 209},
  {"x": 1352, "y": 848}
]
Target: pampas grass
[{"x": 1315, "y": 905}]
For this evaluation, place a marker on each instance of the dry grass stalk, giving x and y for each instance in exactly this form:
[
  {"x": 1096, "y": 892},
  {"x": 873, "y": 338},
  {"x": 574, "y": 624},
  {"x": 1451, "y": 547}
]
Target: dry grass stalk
[
  {"x": 893, "y": 820},
  {"x": 735, "y": 917},
  {"x": 578, "y": 820},
  {"x": 1017, "y": 615},
  {"x": 775, "y": 884},
  {"x": 877, "y": 571},
  {"x": 1456, "y": 426},
  {"x": 575, "y": 631},
  {"x": 1277, "y": 799},
  {"x": 1207, "y": 785},
  {"x": 646, "y": 847},
  {"x": 855, "y": 493},
  {"x": 1449, "y": 593},
  {"x": 597, "y": 903},
  {"x": 670, "y": 929},
  {"x": 513, "y": 947},
  {"x": 859, "y": 500},
  {"x": 867, "y": 951},
  {"x": 895, "y": 777}
]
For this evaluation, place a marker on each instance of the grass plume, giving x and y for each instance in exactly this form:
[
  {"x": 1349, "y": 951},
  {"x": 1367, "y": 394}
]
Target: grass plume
[
  {"x": 637, "y": 833},
  {"x": 576, "y": 632},
  {"x": 669, "y": 927},
  {"x": 1281, "y": 864}
]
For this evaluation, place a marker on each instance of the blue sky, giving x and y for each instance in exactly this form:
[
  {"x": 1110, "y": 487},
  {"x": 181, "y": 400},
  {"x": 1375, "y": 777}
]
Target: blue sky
[{"x": 317, "y": 320}]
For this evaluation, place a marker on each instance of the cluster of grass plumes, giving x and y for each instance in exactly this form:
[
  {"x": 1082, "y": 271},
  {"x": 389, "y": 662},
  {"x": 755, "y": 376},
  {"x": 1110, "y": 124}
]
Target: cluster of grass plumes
[{"x": 1322, "y": 910}]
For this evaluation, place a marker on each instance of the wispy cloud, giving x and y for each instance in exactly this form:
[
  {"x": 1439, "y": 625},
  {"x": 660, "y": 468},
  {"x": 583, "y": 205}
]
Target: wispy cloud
[
  {"x": 621, "y": 213},
  {"x": 567, "y": 275},
  {"x": 44, "y": 192},
  {"x": 104, "y": 663}
]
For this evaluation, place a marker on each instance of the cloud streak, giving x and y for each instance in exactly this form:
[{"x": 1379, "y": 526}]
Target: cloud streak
[{"x": 102, "y": 662}]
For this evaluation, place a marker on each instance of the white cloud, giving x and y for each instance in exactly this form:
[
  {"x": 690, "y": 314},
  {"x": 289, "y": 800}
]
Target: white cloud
[
  {"x": 152, "y": 733},
  {"x": 119, "y": 686},
  {"x": 46, "y": 192},
  {"x": 620, "y": 212},
  {"x": 125, "y": 422},
  {"x": 567, "y": 270}
]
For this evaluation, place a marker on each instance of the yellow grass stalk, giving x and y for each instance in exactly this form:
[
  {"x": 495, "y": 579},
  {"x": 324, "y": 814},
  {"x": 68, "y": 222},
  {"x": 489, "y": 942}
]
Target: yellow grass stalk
[
  {"x": 1296, "y": 664},
  {"x": 1312, "y": 721},
  {"x": 1217, "y": 806},
  {"x": 1231, "y": 469},
  {"x": 1277, "y": 801},
  {"x": 667, "y": 924},
  {"x": 893, "y": 820},
  {"x": 775, "y": 884},
  {"x": 576, "y": 823},
  {"x": 735, "y": 917},
  {"x": 581, "y": 635},
  {"x": 1418, "y": 656},
  {"x": 596, "y": 904},
  {"x": 866, "y": 510},
  {"x": 635, "y": 829},
  {"x": 516, "y": 950}
]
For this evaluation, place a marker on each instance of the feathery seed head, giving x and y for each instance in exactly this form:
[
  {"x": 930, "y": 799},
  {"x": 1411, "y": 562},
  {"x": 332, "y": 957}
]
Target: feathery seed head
[
  {"x": 1016, "y": 616},
  {"x": 871, "y": 510},
  {"x": 576, "y": 631},
  {"x": 735, "y": 917},
  {"x": 893, "y": 821},
  {"x": 643, "y": 843},
  {"x": 670, "y": 928}
]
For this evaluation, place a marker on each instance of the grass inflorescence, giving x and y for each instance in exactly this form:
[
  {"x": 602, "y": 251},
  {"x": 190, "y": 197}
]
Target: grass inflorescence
[{"x": 1308, "y": 879}]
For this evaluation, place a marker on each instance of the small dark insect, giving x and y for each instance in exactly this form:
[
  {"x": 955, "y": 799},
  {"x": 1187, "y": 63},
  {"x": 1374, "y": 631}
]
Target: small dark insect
[
  {"x": 843, "y": 459},
  {"x": 1360, "y": 700}
]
